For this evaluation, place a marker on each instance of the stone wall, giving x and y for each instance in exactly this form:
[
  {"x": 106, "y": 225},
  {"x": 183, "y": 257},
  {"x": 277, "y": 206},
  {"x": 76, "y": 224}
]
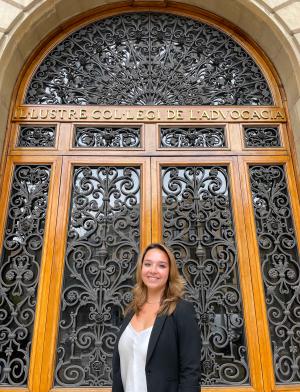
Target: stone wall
[{"x": 273, "y": 24}]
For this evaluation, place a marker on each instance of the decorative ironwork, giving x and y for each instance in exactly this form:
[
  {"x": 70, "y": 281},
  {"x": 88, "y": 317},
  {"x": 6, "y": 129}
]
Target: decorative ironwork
[
  {"x": 19, "y": 270},
  {"x": 103, "y": 242},
  {"x": 31, "y": 136},
  {"x": 262, "y": 137},
  {"x": 280, "y": 265},
  {"x": 199, "y": 137},
  {"x": 198, "y": 226},
  {"x": 107, "y": 137},
  {"x": 148, "y": 59}
]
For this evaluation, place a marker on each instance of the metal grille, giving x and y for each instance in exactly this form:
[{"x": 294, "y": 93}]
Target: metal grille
[
  {"x": 148, "y": 59},
  {"x": 198, "y": 226},
  {"x": 105, "y": 137},
  {"x": 262, "y": 137},
  {"x": 31, "y": 136},
  {"x": 280, "y": 265},
  {"x": 102, "y": 246},
  {"x": 200, "y": 137},
  {"x": 19, "y": 270}
]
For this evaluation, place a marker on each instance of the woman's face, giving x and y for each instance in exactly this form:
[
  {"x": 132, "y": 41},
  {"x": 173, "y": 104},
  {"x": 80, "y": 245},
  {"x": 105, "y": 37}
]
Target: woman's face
[{"x": 155, "y": 270}]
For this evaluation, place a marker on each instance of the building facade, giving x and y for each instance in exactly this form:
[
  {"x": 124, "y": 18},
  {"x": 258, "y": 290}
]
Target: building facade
[{"x": 125, "y": 123}]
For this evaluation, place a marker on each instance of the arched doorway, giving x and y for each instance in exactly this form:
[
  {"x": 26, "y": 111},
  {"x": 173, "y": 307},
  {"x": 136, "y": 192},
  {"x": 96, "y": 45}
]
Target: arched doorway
[{"x": 137, "y": 127}]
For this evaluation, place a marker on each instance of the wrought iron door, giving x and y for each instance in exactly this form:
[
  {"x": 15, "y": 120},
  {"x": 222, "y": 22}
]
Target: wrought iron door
[{"x": 199, "y": 201}]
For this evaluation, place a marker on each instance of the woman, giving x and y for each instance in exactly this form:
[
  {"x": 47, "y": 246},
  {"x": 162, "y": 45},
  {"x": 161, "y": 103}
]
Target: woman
[{"x": 158, "y": 348}]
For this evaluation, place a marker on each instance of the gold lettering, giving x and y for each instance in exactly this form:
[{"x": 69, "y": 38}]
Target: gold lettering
[
  {"x": 140, "y": 115},
  {"x": 179, "y": 114},
  {"x": 265, "y": 114},
  {"x": 62, "y": 112},
  {"x": 214, "y": 114},
  {"x": 116, "y": 115},
  {"x": 205, "y": 114},
  {"x": 43, "y": 116},
  {"x": 279, "y": 115},
  {"x": 224, "y": 115},
  {"x": 72, "y": 114},
  {"x": 129, "y": 115},
  {"x": 52, "y": 114},
  {"x": 33, "y": 114},
  {"x": 23, "y": 114},
  {"x": 107, "y": 114},
  {"x": 158, "y": 115},
  {"x": 245, "y": 114},
  {"x": 96, "y": 114},
  {"x": 171, "y": 114},
  {"x": 255, "y": 114},
  {"x": 192, "y": 117},
  {"x": 82, "y": 114},
  {"x": 235, "y": 114},
  {"x": 150, "y": 115}
]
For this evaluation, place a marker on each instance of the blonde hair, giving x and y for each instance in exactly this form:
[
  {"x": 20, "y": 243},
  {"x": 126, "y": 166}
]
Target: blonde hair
[{"x": 174, "y": 286}]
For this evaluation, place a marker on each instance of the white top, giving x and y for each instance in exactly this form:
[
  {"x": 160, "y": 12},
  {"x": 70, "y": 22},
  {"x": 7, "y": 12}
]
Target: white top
[{"x": 133, "y": 347}]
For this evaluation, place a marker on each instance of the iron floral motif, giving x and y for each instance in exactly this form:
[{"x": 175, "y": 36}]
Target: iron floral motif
[
  {"x": 19, "y": 270},
  {"x": 102, "y": 246},
  {"x": 107, "y": 137},
  {"x": 262, "y": 137},
  {"x": 148, "y": 59},
  {"x": 198, "y": 226},
  {"x": 31, "y": 136},
  {"x": 192, "y": 137},
  {"x": 280, "y": 265}
]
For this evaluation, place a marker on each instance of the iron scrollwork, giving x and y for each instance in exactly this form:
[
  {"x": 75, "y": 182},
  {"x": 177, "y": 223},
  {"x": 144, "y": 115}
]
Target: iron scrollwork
[
  {"x": 102, "y": 246},
  {"x": 32, "y": 136},
  {"x": 200, "y": 137},
  {"x": 198, "y": 226},
  {"x": 19, "y": 270},
  {"x": 148, "y": 59},
  {"x": 105, "y": 137},
  {"x": 262, "y": 137},
  {"x": 280, "y": 265}
]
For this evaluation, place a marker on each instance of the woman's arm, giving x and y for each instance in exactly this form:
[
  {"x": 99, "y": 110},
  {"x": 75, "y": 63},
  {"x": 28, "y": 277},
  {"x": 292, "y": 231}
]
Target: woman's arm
[{"x": 189, "y": 347}]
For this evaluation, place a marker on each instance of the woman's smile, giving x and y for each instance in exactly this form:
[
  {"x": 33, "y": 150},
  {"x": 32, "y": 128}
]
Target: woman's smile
[{"x": 152, "y": 278}]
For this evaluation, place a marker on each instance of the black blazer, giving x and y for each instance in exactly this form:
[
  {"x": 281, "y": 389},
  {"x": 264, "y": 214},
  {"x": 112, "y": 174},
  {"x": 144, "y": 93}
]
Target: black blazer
[{"x": 173, "y": 356}]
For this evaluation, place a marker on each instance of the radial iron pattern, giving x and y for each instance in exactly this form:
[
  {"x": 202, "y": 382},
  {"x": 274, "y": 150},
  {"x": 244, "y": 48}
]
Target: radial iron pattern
[{"x": 148, "y": 59}]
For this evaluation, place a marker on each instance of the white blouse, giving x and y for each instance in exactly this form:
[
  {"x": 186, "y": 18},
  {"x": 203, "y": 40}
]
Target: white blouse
[{"x": 133, "y": 347}]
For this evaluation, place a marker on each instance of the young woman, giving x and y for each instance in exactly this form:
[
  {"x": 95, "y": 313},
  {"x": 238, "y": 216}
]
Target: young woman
[{"x": 158, "y": 347}]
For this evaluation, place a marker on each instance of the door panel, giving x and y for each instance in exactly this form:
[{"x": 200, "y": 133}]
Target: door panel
[
  {"x": 103, "y": 210},
  {"x": 273, "y": 230},
  {"x": 29, "y": 202},
  {"x": 197, "y": 205}
]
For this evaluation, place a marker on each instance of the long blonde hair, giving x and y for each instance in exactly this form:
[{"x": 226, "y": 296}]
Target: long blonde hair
[{"x": 174, "y": 286}]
